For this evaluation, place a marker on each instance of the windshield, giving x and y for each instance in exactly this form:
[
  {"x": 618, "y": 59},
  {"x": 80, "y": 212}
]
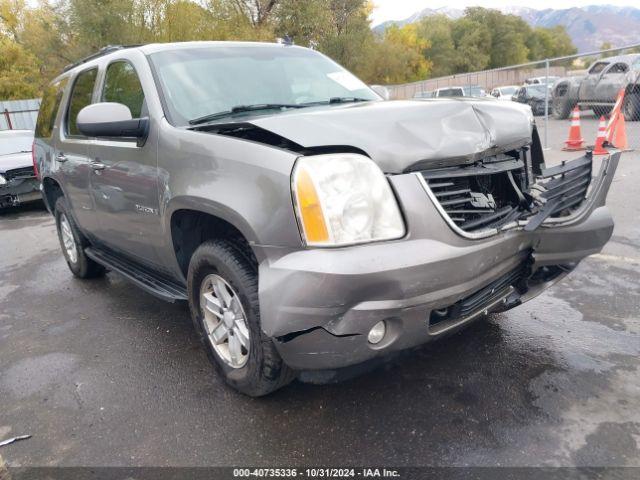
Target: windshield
[
  {"x": 15, "y": 142},
  {"x": 508, "y": 90},
  {"x": 200, "y": 81}
]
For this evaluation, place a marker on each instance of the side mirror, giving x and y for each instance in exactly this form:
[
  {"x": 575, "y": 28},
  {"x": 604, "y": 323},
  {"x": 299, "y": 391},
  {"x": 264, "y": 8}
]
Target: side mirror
[
  {"x": 382, "y": 91},
  {"x": 109, "y": 119}
]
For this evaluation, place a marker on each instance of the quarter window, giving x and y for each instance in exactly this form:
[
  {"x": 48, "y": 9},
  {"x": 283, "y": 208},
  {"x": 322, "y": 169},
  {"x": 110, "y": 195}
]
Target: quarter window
[
  {"x": 122, "y": 85},
  {"x": 81, "y": 96}
]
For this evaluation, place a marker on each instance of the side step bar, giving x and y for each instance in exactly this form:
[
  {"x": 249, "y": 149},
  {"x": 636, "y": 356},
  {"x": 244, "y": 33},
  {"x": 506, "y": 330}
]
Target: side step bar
[{"x": 160, "y": 287}]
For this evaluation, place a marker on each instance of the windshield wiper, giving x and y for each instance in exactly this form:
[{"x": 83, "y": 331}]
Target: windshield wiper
[
  {"x": 241, "y": 109},
  {"x": 334, "y": 100},
  {"x": 348, "y": 99}
]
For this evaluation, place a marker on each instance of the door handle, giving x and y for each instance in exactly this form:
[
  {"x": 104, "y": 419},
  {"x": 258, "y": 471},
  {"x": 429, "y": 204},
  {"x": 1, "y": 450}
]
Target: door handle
[
  {"x": 61, "y": 157},
  {"x": 97, "y": 166}
]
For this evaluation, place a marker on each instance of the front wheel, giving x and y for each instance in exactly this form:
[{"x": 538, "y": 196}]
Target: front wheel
[
  {"x": 222, "y": 286},
  {"x": 561, "y": 108}
]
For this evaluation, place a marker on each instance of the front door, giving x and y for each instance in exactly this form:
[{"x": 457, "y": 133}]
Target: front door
[
  {"x": 124, "y": 179},
  {"x": 589, "y": 84}
]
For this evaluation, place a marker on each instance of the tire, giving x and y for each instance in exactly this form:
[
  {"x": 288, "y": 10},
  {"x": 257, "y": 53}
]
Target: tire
[
  {"x": 631, "y": 107},
  {"x": 79, "y": 264},
  {"x": 264, "y": 370},
  {"x": 561, "y": 108}
]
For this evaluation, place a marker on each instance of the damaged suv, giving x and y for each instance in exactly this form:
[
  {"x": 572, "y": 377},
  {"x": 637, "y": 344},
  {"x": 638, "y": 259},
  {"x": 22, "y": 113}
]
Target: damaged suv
[{"x": 309, "y": 224}]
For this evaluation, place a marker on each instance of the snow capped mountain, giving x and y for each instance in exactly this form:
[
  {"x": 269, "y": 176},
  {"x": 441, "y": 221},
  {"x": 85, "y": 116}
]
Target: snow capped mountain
[{"x": 589, "y": 26}]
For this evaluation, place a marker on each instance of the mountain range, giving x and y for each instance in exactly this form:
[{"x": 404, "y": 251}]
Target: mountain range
[{"x": 589, "y": 27}]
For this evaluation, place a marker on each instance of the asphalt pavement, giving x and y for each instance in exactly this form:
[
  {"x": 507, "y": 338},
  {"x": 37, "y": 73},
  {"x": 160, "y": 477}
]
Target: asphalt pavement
[{"x": 102, "y": 374}]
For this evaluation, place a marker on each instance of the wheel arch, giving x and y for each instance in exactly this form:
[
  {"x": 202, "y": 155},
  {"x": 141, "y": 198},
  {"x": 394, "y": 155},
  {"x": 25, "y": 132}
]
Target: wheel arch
[
  {"x": 192, "y": 224},
  {"x": 51, "y": 191}
]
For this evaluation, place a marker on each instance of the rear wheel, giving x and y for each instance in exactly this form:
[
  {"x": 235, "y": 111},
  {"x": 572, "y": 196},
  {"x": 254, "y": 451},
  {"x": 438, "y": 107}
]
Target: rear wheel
[
  {"x": 223, "y": 299},
  {"x": 73, "y": 244},
  {"x": 631, "y": 107}
]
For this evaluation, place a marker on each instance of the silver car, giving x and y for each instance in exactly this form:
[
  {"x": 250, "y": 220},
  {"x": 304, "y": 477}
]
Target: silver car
[
  {"x": 309, "y": 225},
  {"x": 18, "y": 183}
]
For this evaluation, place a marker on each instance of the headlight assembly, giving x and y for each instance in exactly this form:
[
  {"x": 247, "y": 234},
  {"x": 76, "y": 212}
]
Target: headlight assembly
[
  {"x": 3, "y": 181},
  {"x": 344, "y": 199}
]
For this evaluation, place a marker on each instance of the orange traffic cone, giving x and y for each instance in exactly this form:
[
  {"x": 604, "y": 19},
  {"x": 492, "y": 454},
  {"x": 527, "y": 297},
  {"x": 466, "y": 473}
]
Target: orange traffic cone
[
  {"x": 620, "y": 138},
  {"x": 613, "y": 116},
  {"x": 575, "y": 140},
  {"x": 602, "y": 136}
]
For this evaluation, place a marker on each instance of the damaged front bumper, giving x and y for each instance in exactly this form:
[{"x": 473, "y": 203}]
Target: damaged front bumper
[
  {"x": 20, "y": 191},
  {"x": 319, "y": 304}
]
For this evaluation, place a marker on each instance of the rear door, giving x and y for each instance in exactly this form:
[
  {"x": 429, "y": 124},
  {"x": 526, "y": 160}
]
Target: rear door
[
  {"x": 72, "y": 152},
  {"x": 613, "y": 79},
  {"x": 124, "y": 182}
]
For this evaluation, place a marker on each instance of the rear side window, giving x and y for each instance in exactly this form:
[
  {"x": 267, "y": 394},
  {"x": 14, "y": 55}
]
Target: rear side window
[
  {"x": 49, "y": 106},
  {"x": 618, "y": 68},
  {"x": 122, "y": 85},
  {"x": 80, "y": 97}
]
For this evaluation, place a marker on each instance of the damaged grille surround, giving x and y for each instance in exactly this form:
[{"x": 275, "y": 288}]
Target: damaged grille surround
[{"x": 500, "y": 193}]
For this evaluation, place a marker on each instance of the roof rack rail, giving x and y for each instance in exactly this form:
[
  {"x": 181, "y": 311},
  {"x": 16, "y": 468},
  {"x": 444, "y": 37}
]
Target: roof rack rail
[{"x": 103, "y": 51}]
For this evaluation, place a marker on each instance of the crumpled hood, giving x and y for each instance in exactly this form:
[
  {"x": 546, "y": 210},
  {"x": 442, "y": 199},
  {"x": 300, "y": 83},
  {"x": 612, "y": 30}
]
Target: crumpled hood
[
  {"x": 399, "y": 135},
  {"x": 15, "y": 160}
]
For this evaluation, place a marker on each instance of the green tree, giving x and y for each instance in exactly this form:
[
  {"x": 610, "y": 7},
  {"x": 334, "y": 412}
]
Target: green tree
[
  {"x": 19, "y": 75},
  {"x": 441, "y": 48}
]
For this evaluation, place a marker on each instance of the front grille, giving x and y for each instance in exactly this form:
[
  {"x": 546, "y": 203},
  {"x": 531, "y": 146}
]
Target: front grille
[
  {"x": 479, "y": 197},
  {"x": 561, "y": 188},
  {"x": 482, "y": 298},
  {"x": 19, "y": 173}
]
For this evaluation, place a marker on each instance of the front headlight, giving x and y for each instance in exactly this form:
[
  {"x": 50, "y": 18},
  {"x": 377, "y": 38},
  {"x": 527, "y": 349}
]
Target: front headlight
[
  {"x": 343, "y": 199},
  {"x": 3, "y": 181}
]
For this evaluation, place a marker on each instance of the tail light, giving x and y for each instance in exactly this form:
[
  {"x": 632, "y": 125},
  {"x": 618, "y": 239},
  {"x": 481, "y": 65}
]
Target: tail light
[{"x": 33, "y": 159}]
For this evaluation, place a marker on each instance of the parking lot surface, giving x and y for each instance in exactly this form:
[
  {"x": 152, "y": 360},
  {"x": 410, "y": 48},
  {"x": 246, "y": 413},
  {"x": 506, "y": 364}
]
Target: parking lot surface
[{"x": 103, "y": 374}]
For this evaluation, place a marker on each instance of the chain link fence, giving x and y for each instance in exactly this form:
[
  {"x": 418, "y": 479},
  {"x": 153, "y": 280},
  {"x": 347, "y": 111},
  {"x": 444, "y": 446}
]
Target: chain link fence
[{"x": 553, "y": 88}]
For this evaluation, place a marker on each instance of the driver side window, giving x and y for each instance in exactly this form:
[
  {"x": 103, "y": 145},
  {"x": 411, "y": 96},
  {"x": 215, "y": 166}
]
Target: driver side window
[{"x": 122, "y": 85}]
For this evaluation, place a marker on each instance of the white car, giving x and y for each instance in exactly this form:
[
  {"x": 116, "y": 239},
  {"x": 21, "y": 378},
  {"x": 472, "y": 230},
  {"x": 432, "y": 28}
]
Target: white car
[
  {"x": 504, "y": 93},
  {"x": 466, "y": 91}
]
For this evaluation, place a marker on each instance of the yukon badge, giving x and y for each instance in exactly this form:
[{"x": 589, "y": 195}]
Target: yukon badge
[
  {"x": 481, "y": 200},
  {"x": 147, "y": 210}
]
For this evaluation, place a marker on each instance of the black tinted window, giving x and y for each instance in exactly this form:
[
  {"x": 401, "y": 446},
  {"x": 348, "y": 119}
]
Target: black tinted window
[
  {"x": 618, "y": 68},
  {"x": 80, "y": 98},
  {"x": 122, "y": 85},
  {"x": 49, "y": 108}
]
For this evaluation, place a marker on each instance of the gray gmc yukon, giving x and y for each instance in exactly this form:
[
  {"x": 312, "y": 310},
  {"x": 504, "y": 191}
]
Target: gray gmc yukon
[{"x": 309, "y": 224}]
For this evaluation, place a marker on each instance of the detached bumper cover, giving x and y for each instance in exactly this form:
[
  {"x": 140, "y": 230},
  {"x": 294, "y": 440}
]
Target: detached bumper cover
[{"x": 319, "y": 304}]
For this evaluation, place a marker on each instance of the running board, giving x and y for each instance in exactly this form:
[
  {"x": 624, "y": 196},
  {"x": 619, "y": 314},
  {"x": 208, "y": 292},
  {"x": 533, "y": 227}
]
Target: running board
[{"x": 142, "y": 277}]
